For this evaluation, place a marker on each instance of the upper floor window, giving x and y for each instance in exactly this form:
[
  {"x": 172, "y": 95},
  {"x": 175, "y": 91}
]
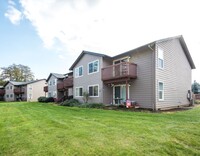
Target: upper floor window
[
  {"x": 7, "y": 87},
  {"x": 50, "y": 83},
  {"x": 94, "y": 90},
  {"x": 160, "y": 58},
  {"x": 93, "y": 67},
  {"x": 160, "y": 91},
  {"x": 10, "y": 87},
  {"x": 79, "y": 71},
  {"x": 54, "y": 82}
]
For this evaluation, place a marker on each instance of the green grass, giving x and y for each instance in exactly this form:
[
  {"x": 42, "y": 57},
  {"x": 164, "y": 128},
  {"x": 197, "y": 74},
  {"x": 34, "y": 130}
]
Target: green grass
[{"x": 46, "y": 129}]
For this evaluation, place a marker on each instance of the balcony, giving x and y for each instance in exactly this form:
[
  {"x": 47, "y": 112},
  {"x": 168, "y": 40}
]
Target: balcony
[
  {"x": 68, "y": 82},
  {"x": 46, "y": 89},
  {"x": 19, "y": 90},
  {"x": 119, "y": 72},
  {"x": 2, "y": 91},
  {"x": 60, "y": 86}
]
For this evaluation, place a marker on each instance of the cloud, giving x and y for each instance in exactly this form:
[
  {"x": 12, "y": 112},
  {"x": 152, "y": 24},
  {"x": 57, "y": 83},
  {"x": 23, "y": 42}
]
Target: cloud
[{"x": 13, "y": 15}]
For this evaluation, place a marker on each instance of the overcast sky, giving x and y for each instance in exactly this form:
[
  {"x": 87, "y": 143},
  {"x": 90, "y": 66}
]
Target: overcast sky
[{"x": 48, "y": 35}]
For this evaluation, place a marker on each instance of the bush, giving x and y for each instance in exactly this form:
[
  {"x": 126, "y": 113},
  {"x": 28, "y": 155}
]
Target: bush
[
  {"x": 50, "y": 99},
  {"x": 71, "y": 103},
  {"x": 42, "y": 99},
  {"x": 197, "y": 101},
  {"x": 92, "y": 105}
]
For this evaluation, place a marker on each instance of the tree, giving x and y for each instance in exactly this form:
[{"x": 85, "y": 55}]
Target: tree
[
  {"x": 15, "y": 72},
  {"x": 195, "y": 87}
]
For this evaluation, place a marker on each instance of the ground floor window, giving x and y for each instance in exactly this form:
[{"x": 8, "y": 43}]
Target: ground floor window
[
  {"x": 160, "y": 91},
  {"x": 79, "y": 91},
  {"x": 94, "y": 90}
]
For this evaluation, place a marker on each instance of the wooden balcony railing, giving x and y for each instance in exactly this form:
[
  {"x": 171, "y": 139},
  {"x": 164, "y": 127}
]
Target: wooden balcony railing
[
  {"x": 68, "y": 82},
  {"x": 46, "y": 89},
  {"x": 2, "y": 91},
  {"x": 19, "y": 90},
  {"x": 60, "y": 86},
  {"x": 119, "y": 71}
]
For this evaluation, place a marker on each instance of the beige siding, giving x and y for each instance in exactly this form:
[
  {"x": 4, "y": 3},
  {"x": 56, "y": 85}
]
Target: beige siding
[
  {"x": 88, "y": 79},
  {"x": 35, "y": 90},
  {"x": 176, "y": 75},
  {"x": 142, "y": 88}
]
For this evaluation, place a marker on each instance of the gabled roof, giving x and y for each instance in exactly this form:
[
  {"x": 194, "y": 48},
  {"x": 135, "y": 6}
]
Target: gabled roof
[
  {"x": 58, "y": 76},
  {"x": 22, "y": 83},
  {"x": 181, "y": 40},
  {"x": 86, "y": 52}
]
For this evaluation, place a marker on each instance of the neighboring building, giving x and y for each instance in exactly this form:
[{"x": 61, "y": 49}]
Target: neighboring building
[
  {"x": 24, "y": 91},
  {"x": 59, "y": 86},
  {"x": 156, "y": 75},
  {"x": 2, "y": 93}
]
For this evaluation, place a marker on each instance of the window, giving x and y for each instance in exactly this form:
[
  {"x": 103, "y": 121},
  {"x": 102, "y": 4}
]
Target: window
[
  {"x": 94, "y": 90},
  {"x": 49, "y": 94},
  {"x": 30, "y": 96},
  {"x": 160, "y": 59},
  {"x": 54, "y": 82},
  {"x": 79, "y": 71},
  {"x": 7, "y": 95},
  {"x": 10, "y": 87},
  {"x": 79, "y": 91},
  {"x": 7, "y": 87},
  {"x": 160, "y": 91},
  {"x": 93, "y": 67},
  {"x": 11, "y": 95},
  {"x": 50, "y": 83}
]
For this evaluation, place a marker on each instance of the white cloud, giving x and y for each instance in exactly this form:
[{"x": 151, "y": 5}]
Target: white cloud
[
  {"x": 110, "y": 26},
  {"x": 13, "y": 14}
]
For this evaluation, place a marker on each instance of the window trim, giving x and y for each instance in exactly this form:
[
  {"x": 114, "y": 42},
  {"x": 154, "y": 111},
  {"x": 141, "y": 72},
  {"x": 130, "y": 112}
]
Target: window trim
[
  {"x": 93, "y": 86},
  {"x": 76, "y": 76},
  {"x": 163, "y": 95},
  {"x": 160, "y": 58},
  {"x": 79, "y": 91},
  {"x": 93, "y": 64}
]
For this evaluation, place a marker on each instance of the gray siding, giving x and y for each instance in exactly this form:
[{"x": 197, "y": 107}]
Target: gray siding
[
  {"x": 142, "y": 88},
  {"x": 52, "y": 88},
  {"x": 8, "y": 92},
  {"x": 88, "y": 79},
  {"x": 176, "y": 75}
]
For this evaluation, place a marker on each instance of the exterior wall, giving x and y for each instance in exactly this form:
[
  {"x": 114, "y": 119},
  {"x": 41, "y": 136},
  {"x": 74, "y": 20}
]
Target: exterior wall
[
  {"x": 142, "y": 89},
  {"x": 52, "y": 89},
  {"x": 24, "y": 95},
  {"x": 176, "y": 75},
  {"x": 9, "y": 91},
  {"x": 88, "y": 79},
  {"x": 35, "y": 90},
  {"x": 107, "y": 90}
]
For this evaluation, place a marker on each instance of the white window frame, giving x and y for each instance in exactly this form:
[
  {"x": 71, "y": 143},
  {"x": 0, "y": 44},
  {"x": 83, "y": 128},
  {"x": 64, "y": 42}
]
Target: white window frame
[
  {"x": 93, "y": 67},
  {"x": 11, "y": 95},
  {"x": 160, "y": 58},
  {"x": 93, "y": 90},
  {"x": 50, "y": 83},
  {"x": 77, "y": 71},
  {"x": 160, "y": 91},
  {"x": 78, "y": 91}
]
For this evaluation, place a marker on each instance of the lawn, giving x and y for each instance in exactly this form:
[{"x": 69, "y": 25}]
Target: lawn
[{"x": 47, "y": 129}]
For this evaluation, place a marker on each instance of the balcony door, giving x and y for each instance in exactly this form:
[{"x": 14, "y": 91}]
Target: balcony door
[
  {"x": 118, "y": 68},
  {"x": 119, "y": 94}
]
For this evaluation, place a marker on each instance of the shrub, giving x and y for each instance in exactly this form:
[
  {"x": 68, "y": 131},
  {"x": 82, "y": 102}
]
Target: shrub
[
  {"x": 92, "y": 105},
  {"x": 197, "y": 101},
  {"x": 71, "y": 103},
  {"x": 50, "y": 99},
  {"x": 42, "y": 99}
]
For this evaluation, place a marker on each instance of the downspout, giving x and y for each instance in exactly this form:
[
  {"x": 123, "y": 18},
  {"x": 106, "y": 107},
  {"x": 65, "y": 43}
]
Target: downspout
[{"x": 154, "y": 76}]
